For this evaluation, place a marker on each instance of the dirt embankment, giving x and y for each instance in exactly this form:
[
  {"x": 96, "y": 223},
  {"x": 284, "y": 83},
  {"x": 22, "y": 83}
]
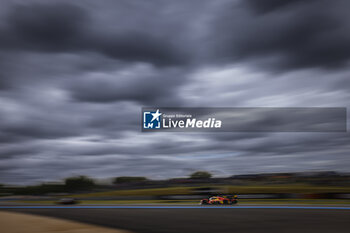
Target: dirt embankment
[{"x": 25, "y": 223}]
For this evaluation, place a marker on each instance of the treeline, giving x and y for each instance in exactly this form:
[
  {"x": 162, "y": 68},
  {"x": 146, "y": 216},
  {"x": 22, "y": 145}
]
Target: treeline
[
  {"x": 84, "y": 183},
  {"x": 72, "y": 184}
]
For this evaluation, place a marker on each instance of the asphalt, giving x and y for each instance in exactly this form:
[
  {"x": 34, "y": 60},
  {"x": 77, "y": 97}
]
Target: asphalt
[{"x": 205, "y": 220}]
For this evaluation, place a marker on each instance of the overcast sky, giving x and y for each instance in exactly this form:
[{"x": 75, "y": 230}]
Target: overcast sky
[{"x": 75, "y": 74}]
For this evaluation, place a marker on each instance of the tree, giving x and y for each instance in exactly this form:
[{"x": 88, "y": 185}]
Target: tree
[
  {"x": 129, "y": 179},
  {"x": 79, "y": 183},
  {"x": 200, "y": 175}
]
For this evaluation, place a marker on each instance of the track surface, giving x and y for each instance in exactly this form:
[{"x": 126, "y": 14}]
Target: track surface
[{"x": 217, "y": 220}]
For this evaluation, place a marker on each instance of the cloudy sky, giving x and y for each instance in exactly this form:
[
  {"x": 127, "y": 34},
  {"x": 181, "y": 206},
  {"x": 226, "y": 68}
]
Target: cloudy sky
[{"x": 75, "y": 74}]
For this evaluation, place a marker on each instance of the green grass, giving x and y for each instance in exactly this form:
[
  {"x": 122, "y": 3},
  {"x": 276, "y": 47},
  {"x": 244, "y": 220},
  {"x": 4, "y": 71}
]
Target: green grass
[
  {"x": 252, "y": 189},
  {"x": 290, "y": 188},
  {"x": 116, "y": 202},
  {"x": 138, "y": 192}
]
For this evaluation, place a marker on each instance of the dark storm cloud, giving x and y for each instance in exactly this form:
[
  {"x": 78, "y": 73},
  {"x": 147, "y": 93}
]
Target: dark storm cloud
[
  {"x": 47, "y": 27},
  {"x": 272, "y": 5},
  {"x": 141, "y": 84},
  {"x": 283, "y": 144},
  {"x": 283, "y": 35},
  {"x": 63, "y": 27},
  {"x": 75, "y": 74},
  {"x": 42, "y": 27}
]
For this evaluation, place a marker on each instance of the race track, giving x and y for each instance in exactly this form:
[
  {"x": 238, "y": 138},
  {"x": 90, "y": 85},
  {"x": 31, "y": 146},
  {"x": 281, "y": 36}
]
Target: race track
[{"x": 192, "y": 220}]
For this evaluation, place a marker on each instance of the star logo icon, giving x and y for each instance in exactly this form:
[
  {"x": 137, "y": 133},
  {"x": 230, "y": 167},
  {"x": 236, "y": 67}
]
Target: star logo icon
[
  {"x": 151, "y": 119},
  {"x": 156, "y": 115}
]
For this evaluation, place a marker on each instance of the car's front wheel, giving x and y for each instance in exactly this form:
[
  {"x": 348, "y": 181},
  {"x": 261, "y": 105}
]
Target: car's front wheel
[
  {"x": 233, "y": 202},
  {"x": 204, "y": 202}
]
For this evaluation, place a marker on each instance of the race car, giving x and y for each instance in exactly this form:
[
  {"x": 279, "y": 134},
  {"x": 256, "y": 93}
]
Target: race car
[
  {"x": 220, "y": 200},
  {"x": 67, "y": 201}
]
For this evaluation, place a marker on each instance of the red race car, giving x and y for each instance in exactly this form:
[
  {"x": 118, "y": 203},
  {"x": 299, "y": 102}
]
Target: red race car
[{"x": 220, "y": 200}]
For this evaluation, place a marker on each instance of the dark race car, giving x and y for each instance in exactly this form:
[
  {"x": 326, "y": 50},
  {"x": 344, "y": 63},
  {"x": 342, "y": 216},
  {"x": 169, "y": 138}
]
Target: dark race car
[
  {"x": 67, "y": 201},
  {"x": 220, "y": 200}
]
